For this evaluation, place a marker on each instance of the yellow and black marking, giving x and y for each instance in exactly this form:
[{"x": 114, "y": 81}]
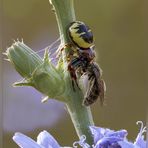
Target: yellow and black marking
[{"x": 80, "y": 34}]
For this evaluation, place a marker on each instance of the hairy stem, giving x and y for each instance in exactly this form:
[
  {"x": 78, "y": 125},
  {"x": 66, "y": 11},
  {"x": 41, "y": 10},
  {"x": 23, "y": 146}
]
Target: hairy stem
[{"x": 81, "y": 116}]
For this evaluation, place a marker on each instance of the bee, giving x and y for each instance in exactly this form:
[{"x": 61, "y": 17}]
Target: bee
[
  {"x": 81, "y": 38},
  {"x": 96, "y": 85}
]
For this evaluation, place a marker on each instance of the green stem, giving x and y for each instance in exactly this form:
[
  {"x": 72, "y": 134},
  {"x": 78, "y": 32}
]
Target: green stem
[{"x": 81, "y": 116}]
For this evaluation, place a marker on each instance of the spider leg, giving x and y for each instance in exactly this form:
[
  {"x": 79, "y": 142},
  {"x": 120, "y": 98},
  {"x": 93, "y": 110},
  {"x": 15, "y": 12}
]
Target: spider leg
[{"x": 72, "y": 67}]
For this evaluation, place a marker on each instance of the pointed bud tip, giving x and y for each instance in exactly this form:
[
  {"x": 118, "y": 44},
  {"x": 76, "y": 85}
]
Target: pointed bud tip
[
  {"x": 45, "y": 99},
  {"x": 46, "y": 55},
  {"x": 21, "y": 83},
  {"x": 5, "y": 53},
  {"x": 7, "y": 59}
]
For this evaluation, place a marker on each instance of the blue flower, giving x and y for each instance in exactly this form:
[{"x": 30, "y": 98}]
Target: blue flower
[
  {"x": 106, "y": 138},
  {"x": 44, "y": 140},
  {"x": 139, "y": 142},
  {"x": 103, "y": 138}
]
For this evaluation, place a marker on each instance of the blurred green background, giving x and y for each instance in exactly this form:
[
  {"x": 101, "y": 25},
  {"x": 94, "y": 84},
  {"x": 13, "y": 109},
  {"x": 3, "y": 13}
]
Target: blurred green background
[{"x": 119, "y": 28}]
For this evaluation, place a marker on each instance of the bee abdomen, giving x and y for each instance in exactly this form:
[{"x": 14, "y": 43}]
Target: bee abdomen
[
  {"x": 95, "y": 92},
  {"x": 96, "y": 86},
  {"x": 92, "y": 93}
]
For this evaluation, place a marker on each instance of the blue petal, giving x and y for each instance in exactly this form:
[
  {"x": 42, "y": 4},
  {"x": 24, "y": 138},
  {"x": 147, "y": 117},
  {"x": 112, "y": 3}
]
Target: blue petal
[
  {"x": 108, "y": 141},
  {"x": 126, "y": 144},
  {"x": 120, "y": 134},
  {"x": 98, "y": 132},
  {"x": 46, "y": 140},
  {"x": 24, "y": 141},
  {"x": 140, "y": 138},
  {"x": 141, "y": 143}
]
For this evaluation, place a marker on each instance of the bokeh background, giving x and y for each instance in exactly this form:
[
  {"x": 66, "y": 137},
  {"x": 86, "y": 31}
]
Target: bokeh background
[{"x": 120, "y": 30}]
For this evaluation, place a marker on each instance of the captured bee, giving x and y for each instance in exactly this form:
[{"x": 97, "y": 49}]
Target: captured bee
[
  {"x": 81, "y": 61},
  {"x": 96, "y": 86},
  {"x": 81, "y": 38}
]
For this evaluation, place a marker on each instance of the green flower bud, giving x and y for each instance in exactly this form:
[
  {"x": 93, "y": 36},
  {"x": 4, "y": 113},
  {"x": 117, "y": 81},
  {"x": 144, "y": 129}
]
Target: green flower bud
[
  {"x": 38, "y": 73},
  {"x": 48, "y": 79},
  {"x": 23, "y": 58}
]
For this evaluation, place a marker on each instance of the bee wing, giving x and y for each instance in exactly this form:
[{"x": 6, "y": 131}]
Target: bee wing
[
  {"x": 102, "y": 90},
  {"x": 90, "y": 87},
  {"x": 100, "y": 82}
]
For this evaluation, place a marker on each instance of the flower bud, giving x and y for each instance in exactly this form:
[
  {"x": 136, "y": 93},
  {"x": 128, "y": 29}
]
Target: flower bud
[
  {"x": 48, "y": 79},
  {"x": 24, "y": 59},
  {"x": 38, "y": 73}
]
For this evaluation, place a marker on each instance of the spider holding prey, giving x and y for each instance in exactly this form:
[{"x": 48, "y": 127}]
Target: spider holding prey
[{"x": 81, "y": 62}]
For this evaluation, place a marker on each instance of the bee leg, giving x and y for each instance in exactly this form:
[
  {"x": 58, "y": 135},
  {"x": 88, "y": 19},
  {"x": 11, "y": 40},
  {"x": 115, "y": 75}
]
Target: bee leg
[
  {"x": 73, "y": 85},
  {"x": 72, "y": 67},
  {"x": 73, "y": 75}
]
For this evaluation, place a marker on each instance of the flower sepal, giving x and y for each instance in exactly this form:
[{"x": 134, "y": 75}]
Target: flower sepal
[
  {"x": 23, "y": 58},
  {"x": 47, "y": 79}
]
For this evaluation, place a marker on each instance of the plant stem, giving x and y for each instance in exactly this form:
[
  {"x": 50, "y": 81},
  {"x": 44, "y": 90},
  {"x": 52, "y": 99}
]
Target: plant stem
[{"x": 81, "y": 116}]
